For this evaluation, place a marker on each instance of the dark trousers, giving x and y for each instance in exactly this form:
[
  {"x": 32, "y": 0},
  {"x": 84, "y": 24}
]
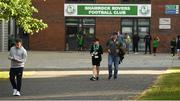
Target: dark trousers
[
  {"x": 135, "y": 47},
  {"x": 16, "y": 77},
  {"x": 154, "y": 50},
  {"x": 147, "y": 46},
  {"x": 173, "y": 51}
]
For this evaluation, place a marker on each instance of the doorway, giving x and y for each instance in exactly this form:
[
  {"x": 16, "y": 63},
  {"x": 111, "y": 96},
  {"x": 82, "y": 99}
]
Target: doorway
[
  {"x": 139, "y": 26},
  {"x": 75, "y": 27}
]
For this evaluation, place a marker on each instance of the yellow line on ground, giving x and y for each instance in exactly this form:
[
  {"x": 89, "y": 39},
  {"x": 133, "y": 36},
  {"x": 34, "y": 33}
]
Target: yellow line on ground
[
  {"x": 173, "y": 71},
  {"x": 5, "y": 74},
  {"x": 47, "y": 74}
]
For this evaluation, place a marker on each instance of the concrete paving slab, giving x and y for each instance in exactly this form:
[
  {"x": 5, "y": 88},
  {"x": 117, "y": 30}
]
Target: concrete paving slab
[{"x": 82, "y": 60}]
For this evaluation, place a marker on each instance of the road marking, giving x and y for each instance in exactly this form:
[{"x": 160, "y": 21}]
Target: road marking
[
  {"x": 48, "y": 74},
  {"x": 173, "y": 71}
]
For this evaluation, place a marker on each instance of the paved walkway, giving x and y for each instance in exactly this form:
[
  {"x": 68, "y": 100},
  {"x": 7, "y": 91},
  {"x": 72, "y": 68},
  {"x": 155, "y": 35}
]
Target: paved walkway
[
  {"x": 65, "y": 76},
  {"x": 82, "y": 60},
  {"x": 79, "y": 87}
]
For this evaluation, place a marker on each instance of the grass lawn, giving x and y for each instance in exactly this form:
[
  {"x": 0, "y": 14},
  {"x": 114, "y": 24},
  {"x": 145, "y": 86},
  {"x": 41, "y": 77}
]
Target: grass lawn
[{"x": 167, "y": 87}]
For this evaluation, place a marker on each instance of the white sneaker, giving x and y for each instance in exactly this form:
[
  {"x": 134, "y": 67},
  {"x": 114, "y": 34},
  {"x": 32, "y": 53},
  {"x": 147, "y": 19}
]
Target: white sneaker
[
  {"x": 136, "y": 53},
  {"x": 18, "y": 93},
  {"x": 14, "y": 92}
]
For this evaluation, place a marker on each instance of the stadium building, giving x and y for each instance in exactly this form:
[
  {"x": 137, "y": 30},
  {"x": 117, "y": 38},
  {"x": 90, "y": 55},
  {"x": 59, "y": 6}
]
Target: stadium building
[{"x": 67, "y": 19}]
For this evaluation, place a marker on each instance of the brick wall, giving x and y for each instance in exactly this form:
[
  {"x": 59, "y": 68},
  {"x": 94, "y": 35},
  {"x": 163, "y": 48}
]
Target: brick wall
[
  {"x": 52, "y": 38},
  {"x": 106, "y": 25},
  {"x": 158, "y": 11}
]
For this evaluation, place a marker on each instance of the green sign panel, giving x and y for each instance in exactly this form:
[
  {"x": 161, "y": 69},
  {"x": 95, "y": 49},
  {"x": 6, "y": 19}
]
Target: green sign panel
[{"x": 108, "y": 10}]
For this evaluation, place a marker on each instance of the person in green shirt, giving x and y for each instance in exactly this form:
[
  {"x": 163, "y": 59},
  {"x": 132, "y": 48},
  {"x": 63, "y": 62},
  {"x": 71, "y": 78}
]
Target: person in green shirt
[
  {"x": 155, "y": 45},
  {"x": 80, "y": 41}
]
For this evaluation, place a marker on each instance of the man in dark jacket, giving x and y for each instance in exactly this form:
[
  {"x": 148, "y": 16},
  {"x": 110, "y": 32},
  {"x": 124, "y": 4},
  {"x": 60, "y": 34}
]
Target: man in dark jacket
[
  {"x": 147, "y": 40},
  {"x": 178, "y": 46},
  {"x": 173, "y": 46},
  {"x": 135, "y": 43},
  {"x": 113, "y": 46}
]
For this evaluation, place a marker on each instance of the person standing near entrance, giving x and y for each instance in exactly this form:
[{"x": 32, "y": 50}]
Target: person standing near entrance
[
  {"x": 127, "y": 42},
  {"x": 178, "y": 46},
  {"x": 147, "y": 40},
  {"x": 136, "y": 39},
  {"x": 96, "y": 52},
  {"x": 18, "y": 57},
  {"x": 80, "y": 41},
  {"x": 113, "y": 55},
  {"x": 173, "y": 46},
  {"x": 155, "y": 44}
]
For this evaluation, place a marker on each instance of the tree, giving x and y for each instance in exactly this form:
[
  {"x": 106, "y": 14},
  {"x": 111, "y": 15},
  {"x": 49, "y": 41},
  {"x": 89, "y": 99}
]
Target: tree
[{"x": 22, "y": 11}]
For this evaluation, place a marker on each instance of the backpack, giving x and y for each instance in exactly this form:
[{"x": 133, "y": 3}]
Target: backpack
[{"x": 121, "y": 53}]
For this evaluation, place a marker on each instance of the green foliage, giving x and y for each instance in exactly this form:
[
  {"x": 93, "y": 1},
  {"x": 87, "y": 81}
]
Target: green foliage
[{"x": 22, "y": 11}]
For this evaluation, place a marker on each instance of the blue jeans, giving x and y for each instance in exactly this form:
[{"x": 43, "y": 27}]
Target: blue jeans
[{"x": 113, "y": 59}]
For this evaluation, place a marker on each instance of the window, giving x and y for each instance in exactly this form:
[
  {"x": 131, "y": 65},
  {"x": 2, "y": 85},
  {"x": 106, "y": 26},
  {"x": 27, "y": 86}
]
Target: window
[
  {"x": 89, "y": 21},
  {"x": 80, "y": 21},
  {"x": 141, "y": 26},
  {"x": 72, "y": 21},
  {"x": 127, "y": 22},
  {"x": 80, "y": 1},
  {"x": 143, "y": 22},
  {"x": 88, "y": 26},
  {"x": 83, "y": 26}
]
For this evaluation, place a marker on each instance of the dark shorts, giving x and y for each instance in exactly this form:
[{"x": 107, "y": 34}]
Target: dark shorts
[{"x": 96, "y": 62}]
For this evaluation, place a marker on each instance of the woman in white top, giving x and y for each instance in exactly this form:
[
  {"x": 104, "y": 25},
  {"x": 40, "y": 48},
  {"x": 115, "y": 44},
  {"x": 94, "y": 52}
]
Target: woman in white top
[{"x": 127, "y": 41}]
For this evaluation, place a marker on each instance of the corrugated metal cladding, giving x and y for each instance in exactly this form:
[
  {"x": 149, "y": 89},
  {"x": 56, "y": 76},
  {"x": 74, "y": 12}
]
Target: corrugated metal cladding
[{"x": 3, "y": 35}]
